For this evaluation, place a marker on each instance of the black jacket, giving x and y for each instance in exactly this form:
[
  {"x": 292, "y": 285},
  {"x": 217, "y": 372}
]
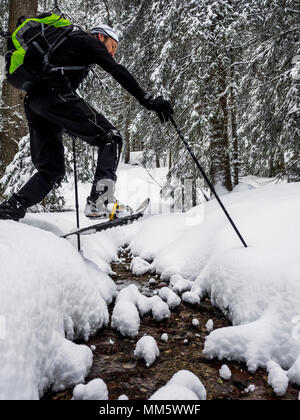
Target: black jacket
[{"x": 81, "y": 49}]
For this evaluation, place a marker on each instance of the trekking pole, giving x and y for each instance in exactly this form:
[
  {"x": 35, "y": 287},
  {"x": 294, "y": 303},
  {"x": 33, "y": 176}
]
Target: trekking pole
[
  {"x": 208, "y": 182},
  {"x": 76, "y": 189}
]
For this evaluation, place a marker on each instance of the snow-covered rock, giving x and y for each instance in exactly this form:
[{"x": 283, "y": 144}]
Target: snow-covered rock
[
  {"x": 174, "y": 392},
  {"x": 123, "y": 397},
  {"x": 277, "y": 378},
  {"x": 94, "y": 390},
  {"x": 139, "y": 266},
  {"x": 225, "y": 372},
  {"x": 125, "y": 318},
  {"x": 191, "y": 381},
  {"x": 195, "y": 322},
  {"x": 170, "y": 297},
  {"x": 132, "y": 294},
  {"x": 191, "y": 298},
  {"x": 130, "y": 305},
  {"x": 164, "y": 337},
  {"x": 180, "y": 285},
  {"x": 209, "y": 325},
  {"x": 152, "y": 281},
  {"x": 160, "y": 310},
  {"x": 250, "y": 388},
  {"x": 184, "y": 385},
  {"x": 147, "y": 349},
  {"x": 143, "y": 304}
]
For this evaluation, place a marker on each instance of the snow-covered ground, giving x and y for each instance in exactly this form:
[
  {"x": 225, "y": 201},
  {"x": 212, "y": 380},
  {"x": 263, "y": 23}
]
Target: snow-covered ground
[
  {"x": 258, "y": 288},
  {"x": 50, "y": 294}
]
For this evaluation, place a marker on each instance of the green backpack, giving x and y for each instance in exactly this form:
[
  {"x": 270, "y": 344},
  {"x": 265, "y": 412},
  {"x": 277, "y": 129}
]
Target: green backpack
[{"x": 30, "y": 47}]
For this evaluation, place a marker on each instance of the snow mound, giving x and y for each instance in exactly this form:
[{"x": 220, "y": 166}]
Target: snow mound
[
  {"x": 191, "y": 298},
  {"x": 95, "y": 390},
  {"x": 49, "y": 295},
  {"x": 130, "y": 305},
  {"x": 184, "y": 385},
  {"x": 180, "y": 285},
  {"x": 174, "y": 392},
  {"x": 160, "y": 310},
  {"x": 278, "y": 378},
  {"x": 71, "y": 365},
  {"x": 139, "y": 266},
  {"x": 125, "y": 318},
  {"x": 169, "y": 297},
  {"x": 147, "y": 349},
  {"x": 191, "y": 381}
]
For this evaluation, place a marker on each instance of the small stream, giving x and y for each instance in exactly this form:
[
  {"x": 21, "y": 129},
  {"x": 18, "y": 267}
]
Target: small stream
[{"x": 115, "y": 364}]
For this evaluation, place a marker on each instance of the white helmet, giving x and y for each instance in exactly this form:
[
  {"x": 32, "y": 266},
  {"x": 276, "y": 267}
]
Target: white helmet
[{"x": 106, "y": 30}]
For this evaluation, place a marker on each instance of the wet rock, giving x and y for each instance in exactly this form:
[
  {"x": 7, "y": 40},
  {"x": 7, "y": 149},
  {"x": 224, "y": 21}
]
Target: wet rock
[
  {"x": 189, "y": 336},
  {"x": 162, "y": 284}
]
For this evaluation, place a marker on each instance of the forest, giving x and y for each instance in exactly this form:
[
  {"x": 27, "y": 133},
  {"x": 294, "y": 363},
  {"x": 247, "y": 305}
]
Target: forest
[
  {"x": 224, "y": 65},
  {"x": 182, "y": 303}
]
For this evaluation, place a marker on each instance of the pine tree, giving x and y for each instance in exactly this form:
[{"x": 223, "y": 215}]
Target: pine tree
[
  {"x": 271, "y": 117},
  {"x": 19, "y": 172}
]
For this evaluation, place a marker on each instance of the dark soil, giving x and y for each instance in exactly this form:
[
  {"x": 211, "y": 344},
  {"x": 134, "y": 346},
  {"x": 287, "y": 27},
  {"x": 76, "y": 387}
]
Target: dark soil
[{"x": 114, "y": 361}]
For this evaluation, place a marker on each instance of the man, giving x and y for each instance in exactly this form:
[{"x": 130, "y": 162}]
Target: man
[{"x": 52, "y": 106}]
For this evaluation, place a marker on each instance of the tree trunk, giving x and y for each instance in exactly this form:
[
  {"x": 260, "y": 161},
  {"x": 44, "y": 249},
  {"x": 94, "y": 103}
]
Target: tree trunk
[
  {"x": 234, "y": 135},
  {"x": 225, "y": 145},
  {"x": 12, "y": 113},
  {"x": 157, "y": 161},
  {"x": 194, "y": 190},
  {"x": 220, "y": 158},
  {"x": 236, "y": 162}
]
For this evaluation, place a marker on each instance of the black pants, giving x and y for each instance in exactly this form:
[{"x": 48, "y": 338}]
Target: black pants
[{"x": 51, "y": 113}]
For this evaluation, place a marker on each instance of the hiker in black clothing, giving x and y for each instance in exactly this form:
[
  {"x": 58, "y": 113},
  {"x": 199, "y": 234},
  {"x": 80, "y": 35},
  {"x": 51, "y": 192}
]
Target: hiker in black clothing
[{"x": 52, "y": 106}]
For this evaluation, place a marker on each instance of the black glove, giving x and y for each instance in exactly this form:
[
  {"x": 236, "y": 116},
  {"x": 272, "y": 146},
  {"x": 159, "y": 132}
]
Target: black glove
[{"x": 163, "y": 108}]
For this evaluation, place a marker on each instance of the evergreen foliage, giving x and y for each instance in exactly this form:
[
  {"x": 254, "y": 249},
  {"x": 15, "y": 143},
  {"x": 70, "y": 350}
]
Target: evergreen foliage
[{"x": 225, "y": 66}]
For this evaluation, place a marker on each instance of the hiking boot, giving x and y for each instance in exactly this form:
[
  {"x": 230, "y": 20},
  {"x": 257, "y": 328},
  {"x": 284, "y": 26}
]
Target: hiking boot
[
  {"x": 102, "y": 193},
  {"x": 102, "y": 204},
  {"x": 92, "y": 211},
  {"x": 12, "y": 209}
]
